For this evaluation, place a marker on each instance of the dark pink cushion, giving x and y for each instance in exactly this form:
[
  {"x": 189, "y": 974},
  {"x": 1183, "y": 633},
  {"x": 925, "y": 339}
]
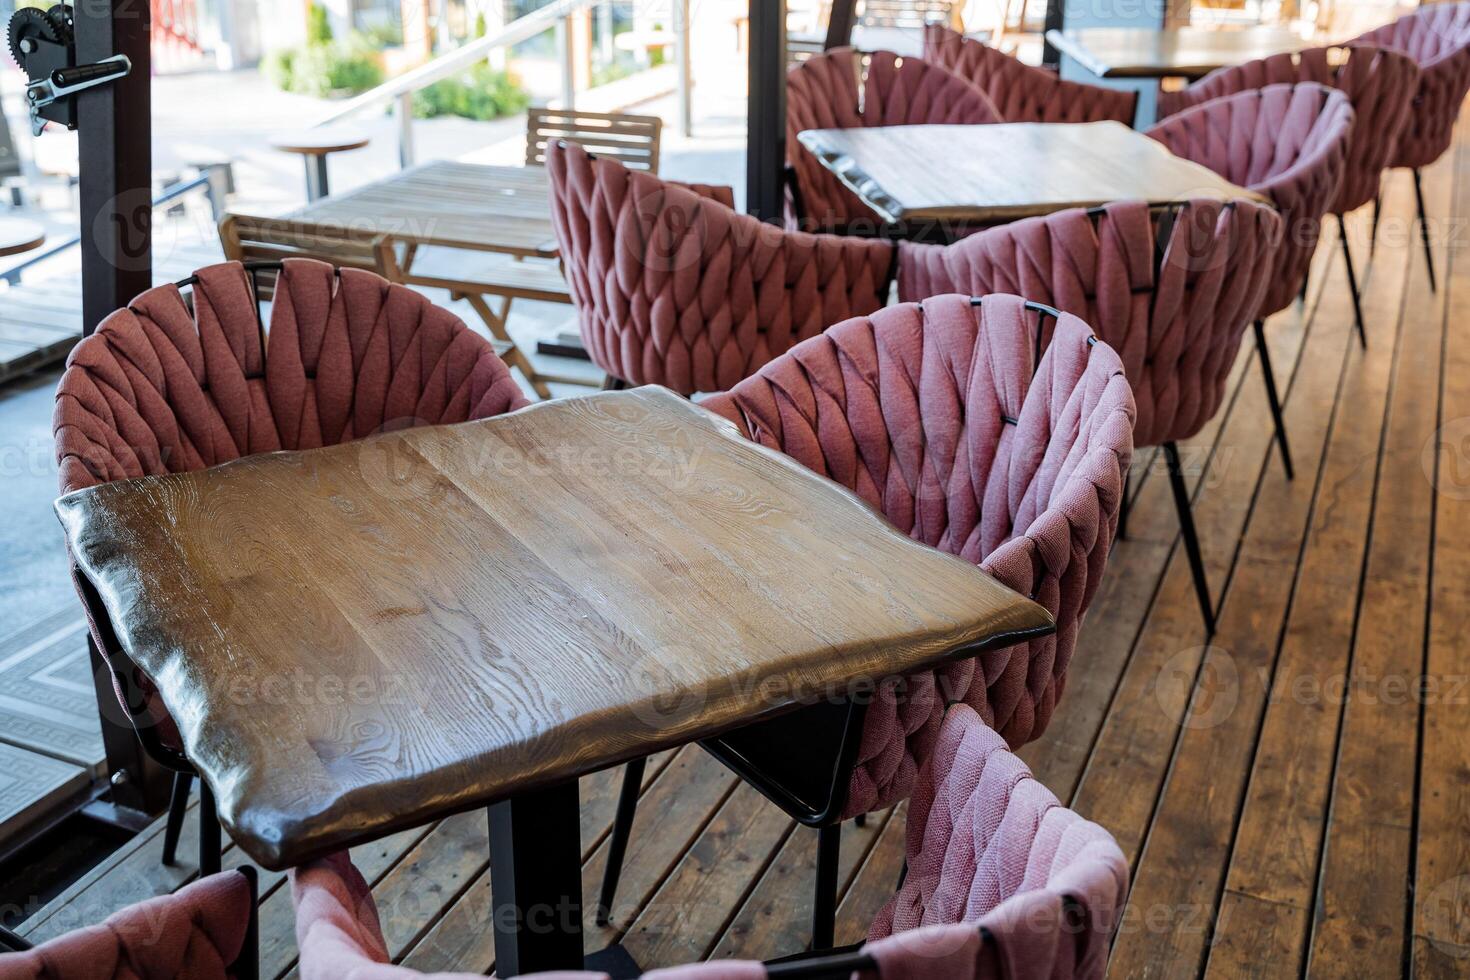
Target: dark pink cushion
[
  {"x": 823, "y": 93},
  {"x": 197, "y": 933},
  {"x": 166, "y": 387},
  {"x": 1379, "y": 83},
  {"x": 1019, "y": 91},
  {"x": 1437, "y": 36},
  {"x": 677, "y": 289},
  {"x": 990, "y": 847},
  {"x": 1177, "y": 332},
  {"x": 1289, "y": 142},
  {"x": 931, "y": 413}
]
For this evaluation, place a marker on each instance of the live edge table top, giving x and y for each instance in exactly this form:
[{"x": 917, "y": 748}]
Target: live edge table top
[{"x": 363, "y": 638}]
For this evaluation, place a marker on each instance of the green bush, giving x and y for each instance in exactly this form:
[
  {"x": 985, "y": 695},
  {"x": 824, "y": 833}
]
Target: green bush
[
  {"x": 335, "y": 68},
  {"x": 480, "y": 93},
  {"x": 318, "y": 26}
]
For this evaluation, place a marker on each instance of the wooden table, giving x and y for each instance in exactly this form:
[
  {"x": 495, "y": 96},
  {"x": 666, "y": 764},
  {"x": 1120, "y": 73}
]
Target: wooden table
[
  {"x": 314, "y": 146},
  {"x": 17, "y": 236},
  {"x": 1181, "y": 52},
  {"x": 458, "y": 212},
  {"x": 928, "y": 177},
  {"x": 481, "y": 613}
]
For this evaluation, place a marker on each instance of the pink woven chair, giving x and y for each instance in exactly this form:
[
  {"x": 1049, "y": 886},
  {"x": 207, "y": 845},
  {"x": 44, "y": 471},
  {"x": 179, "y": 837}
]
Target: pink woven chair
[
  {"x": 676, "y": 288},
  {"x": 1290, "y": 143},
  {"x": 1020, "y": 92},
  {"x": 823, "y": 93},
  {"x": 931, "y": 413},
  {"x": 169, "y": 385},
  {"x": 1380, "y": 84},
  {"x": 1002, "y": 881},
  {"x": 1171, "y": 290},
  {"x": 1437, "y": 37},
  {"x": 204, "y": 931}
]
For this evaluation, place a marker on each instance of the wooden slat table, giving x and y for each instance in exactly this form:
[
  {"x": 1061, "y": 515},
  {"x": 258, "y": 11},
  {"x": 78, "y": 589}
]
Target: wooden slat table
[
  {"x": 1181, "y": 52},
  {"x": 923, "y": 177},
  {"x": 479, "y": 614},
  {"x": 446, "y": 209}
]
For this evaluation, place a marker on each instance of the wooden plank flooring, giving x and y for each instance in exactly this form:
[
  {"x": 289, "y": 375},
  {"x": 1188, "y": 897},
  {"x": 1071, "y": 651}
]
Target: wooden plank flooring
[{"x": 1293, "y": 793}]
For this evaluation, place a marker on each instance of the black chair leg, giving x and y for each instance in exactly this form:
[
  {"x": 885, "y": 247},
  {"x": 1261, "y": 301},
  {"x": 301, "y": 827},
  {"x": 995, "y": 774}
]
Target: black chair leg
[
  {"x": 622, "y": 830},
  {"x": 1373, "y": 241},
  {"x": 178, "y": 802},
  {"x": 209, "y": 836},
  {"x": 861, "y": 820},
  {"x": 1191, "y": 537},
  {"x": 247, "y": 965},
  {"x": 1126, "y": 506},
  {"x": 1424, "y": 228},
  {"x": 1347, "y": 256},
  {"x": 824, "y": 903},
  {"x": 1273, "y": 399}
]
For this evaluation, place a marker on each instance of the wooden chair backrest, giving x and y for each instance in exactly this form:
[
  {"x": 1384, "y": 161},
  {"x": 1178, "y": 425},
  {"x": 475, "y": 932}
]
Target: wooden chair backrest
[
  {"x": 249, "y": 238},
  {"x": 631, "y": 140}
]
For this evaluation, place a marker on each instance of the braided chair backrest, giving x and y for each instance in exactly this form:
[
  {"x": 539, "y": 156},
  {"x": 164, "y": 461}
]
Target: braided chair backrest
[{"x": 931, "y": 413}]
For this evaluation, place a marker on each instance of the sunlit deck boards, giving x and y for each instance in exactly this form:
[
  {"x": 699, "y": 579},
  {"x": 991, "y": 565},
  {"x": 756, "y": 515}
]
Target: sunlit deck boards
[
  {"x": 41, "y": 318},
  {"x": 1274, "y": 823}
]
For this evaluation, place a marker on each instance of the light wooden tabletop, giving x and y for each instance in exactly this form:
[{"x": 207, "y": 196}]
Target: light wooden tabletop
[
  {"x": 320, "y": 142},
  {"x": 359, "y": 639},
  {"x": 458, "y": 205},
  {"x": 1002, "y": 172},
  {"x": 17, "y": 236},
  {"x": 1181, "y": 52}
]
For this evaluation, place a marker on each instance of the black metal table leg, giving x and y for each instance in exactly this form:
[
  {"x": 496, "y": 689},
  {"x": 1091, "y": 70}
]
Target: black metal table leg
[
  {"x": 316, "y": 176},
  {"x": 536, "y": 881}
]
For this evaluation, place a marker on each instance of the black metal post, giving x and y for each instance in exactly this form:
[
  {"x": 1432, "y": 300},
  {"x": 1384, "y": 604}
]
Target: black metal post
[
  {"x": 1053, "y": 21},
  {"x": 536, "y": 881},
  {"x": 824, "y": 902},
  {"x": 116, "y": 162},
  {"x": 622, "y": 831},
  {"x": 839, "y": 24},
  {"x": 765, "y": 148}
]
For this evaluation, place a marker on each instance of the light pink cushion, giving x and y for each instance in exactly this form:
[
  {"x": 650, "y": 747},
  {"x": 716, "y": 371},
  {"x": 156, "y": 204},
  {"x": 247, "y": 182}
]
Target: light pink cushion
[
  {"x": 822, "y": 93},
  {"x": 931, "y": 413},
  {"x": 197, "y": 933},
  {"x": 677, "y": 289},
  {"x": 1289, "y": 142},
  {"x": 163, "y": 388},
  {"x": 1437, "y": 36},
  {"x": 1379, "y": 83},
  {"x": 988, "y": 845},
  {"x": 1019, "y": 91},
  {"x": 1177, "y": 332}
]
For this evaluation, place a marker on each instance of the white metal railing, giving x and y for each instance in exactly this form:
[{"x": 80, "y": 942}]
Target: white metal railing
[{"x": 398, "y": 92}]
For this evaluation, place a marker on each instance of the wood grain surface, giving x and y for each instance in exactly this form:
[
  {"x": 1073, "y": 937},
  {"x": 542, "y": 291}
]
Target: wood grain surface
[
  {"x": 359, "y": 639},
  {"x": 1002, "y": 172},
  {"x": 1179, "y": 52},
  {"x": 461, "y": 205}
]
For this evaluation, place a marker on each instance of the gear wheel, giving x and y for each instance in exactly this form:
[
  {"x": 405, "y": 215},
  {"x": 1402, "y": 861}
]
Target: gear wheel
[
  {"x": 62, "y": 19},
  {"x": 28, "y": 22}
]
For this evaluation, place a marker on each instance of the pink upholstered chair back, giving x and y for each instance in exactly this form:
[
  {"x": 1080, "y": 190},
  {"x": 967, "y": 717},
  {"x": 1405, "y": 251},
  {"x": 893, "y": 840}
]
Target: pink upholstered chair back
[
  {"x": 1437, "y": 36},
  {"x": 197, "y": 933},
  {"x": 931, "y": 413},
  {"x": 1020, "y": 92},
  {"x": 833, "y": 91},
  {"x": 1174, "y": 316},
  {"x": 1289, "y": 142},
  {"x": 676, "y": 289},
  {"x": 989, "y": 845},
  {"x": 168, "y": 386},
  {"x": 1003, "y": 882},
  {"x": 1379, "y": 83}
]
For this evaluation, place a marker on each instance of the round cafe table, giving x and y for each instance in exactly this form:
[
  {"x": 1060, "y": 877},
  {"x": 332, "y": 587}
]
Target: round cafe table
[
  {"x": 314, "y": 146},
  {"x": 17, "y": 236}
]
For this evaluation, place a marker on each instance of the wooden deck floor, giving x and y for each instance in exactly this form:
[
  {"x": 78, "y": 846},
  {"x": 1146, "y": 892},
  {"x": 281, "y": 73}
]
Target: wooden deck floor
[{"x": 1293, "y": 793}]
